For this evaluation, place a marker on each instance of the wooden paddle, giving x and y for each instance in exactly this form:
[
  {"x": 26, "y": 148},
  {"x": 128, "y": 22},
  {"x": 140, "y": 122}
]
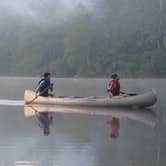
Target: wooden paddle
[
  {"x": 129, "y": 94},
  {"x": 32, "y": 99}
]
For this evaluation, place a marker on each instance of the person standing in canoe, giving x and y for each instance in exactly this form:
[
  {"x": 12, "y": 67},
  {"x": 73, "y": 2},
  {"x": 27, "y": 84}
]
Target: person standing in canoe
[
  {"x": 113, "y": 86},
  {"x": 44, "y": 85}
]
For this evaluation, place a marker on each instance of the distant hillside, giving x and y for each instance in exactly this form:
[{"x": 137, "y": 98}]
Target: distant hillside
[{"x": 124, "y": 36}]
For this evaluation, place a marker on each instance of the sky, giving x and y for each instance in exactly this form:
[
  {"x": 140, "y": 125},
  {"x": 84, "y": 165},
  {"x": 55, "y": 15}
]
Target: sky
[
  {"x": 28, "y": 6},
  {"x": 45, "y": 11}
]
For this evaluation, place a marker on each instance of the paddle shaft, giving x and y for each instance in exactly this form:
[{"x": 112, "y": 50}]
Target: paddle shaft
[
  {"x": 129, "y": 94},
  {"x": 33, "y": 100}
]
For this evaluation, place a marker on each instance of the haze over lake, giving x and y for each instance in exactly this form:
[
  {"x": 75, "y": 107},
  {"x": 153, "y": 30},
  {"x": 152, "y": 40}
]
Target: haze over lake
[
  {"x": 90, "y": 38},
  {"x": 81, "y": 43}
]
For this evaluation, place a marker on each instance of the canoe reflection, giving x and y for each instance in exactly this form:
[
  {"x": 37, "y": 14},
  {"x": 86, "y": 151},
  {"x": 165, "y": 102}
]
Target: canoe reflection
[{"x": 43, "y": 115}]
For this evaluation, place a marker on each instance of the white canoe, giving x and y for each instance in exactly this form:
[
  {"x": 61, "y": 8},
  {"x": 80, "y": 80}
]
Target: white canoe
[
  {"x": 144, "y": 115},
  {"x": 142, "y": 100}
]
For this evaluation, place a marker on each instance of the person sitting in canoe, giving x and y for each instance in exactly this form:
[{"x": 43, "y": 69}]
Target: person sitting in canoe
[
  {"x": 113, "y": 87},
  {"x": 44, "y": 85}
]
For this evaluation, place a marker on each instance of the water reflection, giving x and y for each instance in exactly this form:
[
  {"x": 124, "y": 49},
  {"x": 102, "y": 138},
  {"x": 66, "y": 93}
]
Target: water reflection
[
  {"x": 145, "y": 116},
  {"x": 26, "y": 163},
  {"x": 44, "y": 116},
  {"x": 44, "y": 119},
  {"x": 113, "y": 127}
]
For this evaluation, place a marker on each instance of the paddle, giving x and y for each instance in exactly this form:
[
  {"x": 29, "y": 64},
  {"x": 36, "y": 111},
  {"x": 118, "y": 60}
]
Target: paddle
[
  {"x": 32, "y": 99},
  {"x": 39, "y": 94},
  {"x": 129, "y": 94}
]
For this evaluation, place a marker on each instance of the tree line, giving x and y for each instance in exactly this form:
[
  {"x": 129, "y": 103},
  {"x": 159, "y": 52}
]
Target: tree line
[{"x": 123, "y": 36}]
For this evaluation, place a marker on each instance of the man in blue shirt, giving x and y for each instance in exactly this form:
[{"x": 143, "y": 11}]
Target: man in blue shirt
[{"x": 44, "y": 85}]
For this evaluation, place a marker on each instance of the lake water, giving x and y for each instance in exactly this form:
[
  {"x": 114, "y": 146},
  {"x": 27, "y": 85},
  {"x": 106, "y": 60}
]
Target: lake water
[{"x": 77, "y": 139}]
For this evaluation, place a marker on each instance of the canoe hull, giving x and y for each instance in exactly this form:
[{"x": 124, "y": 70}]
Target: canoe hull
[{"x": 143, "y": 100}]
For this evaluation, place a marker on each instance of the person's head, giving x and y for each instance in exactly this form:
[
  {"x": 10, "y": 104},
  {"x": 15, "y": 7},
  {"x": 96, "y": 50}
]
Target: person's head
[
  {"x": 47, "y": 75},
  {"x": 115, "y": 76}
]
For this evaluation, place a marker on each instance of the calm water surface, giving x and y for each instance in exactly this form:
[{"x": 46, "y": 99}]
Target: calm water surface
[{"x": 81, "y": 139}]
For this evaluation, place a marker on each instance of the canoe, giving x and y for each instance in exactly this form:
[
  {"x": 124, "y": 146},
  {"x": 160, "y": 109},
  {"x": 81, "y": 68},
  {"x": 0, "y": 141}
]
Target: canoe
[
  {"x": 142, "y": 100},
  {"x": 143, "y": 115}
]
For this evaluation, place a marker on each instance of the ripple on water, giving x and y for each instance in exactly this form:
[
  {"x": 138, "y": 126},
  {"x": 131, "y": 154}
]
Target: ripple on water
[{"x": 11, "y": 102}]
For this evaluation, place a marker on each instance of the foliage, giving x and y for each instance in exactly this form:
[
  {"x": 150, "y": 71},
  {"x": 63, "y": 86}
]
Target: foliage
[{"x": 124, "y": 36}]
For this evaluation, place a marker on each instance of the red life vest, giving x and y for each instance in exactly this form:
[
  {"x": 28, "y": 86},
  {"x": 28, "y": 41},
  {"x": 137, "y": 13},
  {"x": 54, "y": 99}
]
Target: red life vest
[{"x": 114, "y": 87}]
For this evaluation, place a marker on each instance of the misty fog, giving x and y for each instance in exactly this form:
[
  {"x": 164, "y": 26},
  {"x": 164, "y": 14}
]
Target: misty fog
[{"x": 82, "y": 37}]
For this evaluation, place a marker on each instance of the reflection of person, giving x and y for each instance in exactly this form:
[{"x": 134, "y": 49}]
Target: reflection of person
[
  {"x": 44, "y": 85},
  {"x": 44, "y": 121},
  {"x": 113, "y": 127}
]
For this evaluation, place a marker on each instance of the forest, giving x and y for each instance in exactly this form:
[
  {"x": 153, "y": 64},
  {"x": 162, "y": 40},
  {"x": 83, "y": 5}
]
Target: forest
[{"x": 123, "y": 36}]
